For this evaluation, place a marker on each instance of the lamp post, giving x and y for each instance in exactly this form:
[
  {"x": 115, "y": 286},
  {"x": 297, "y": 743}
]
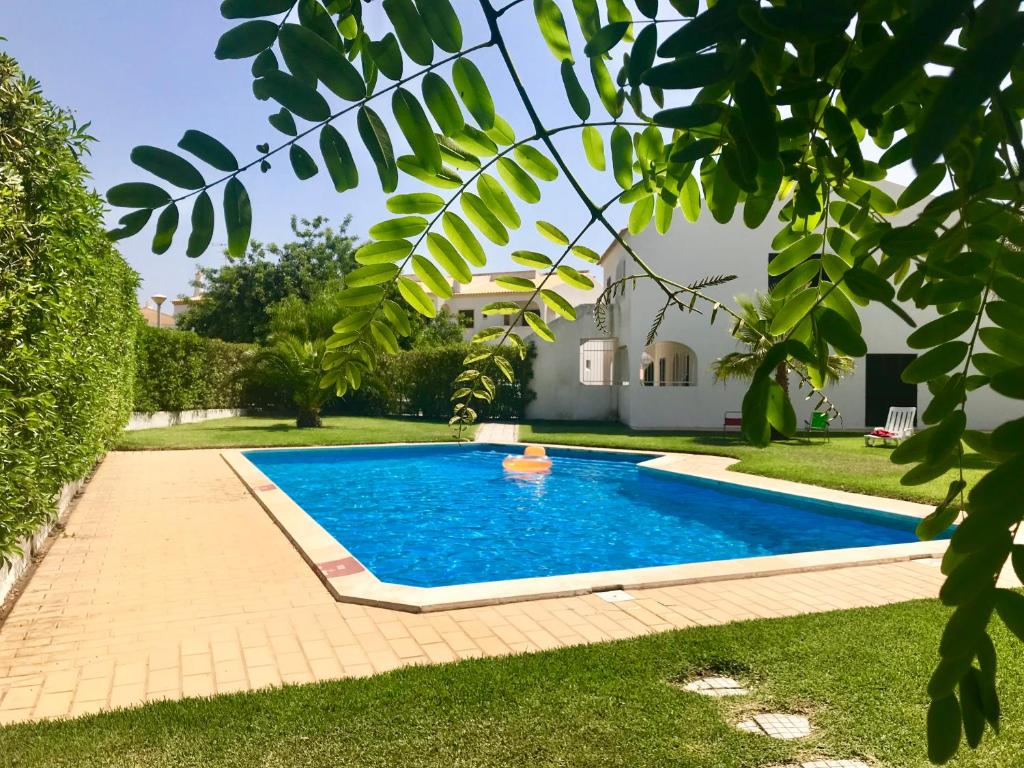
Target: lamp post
[{"x": 158, "y": 299}]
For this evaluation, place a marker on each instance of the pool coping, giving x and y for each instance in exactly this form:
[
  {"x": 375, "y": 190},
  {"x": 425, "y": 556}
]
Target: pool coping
[{"x": 348, "y": 580}]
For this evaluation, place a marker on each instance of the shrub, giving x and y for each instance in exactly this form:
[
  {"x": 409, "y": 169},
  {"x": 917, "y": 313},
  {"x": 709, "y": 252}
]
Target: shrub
[
  {"x": 67, "y": 312},
  {"x": 180, "y": 371},
  {"x": 419, "y": 382}
]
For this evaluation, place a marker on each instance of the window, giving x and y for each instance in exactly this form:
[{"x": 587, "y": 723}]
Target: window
[
  {"x": 467, "y": 318},
  {"x": 668, "y": 364},
  {"x": 597, "y": 357},
  {"x": 661, "y": 371}
]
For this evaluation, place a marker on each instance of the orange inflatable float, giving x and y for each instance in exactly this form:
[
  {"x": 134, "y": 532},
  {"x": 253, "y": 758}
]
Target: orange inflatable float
[{"x": 534, "y": 459}]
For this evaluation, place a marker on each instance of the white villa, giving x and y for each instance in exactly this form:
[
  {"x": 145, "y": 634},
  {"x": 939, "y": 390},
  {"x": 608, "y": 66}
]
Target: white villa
[{"x": 588, "y": 374}]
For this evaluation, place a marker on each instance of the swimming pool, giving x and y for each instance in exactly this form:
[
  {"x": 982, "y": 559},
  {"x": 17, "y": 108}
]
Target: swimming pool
[{"x": 441, "y": 515}]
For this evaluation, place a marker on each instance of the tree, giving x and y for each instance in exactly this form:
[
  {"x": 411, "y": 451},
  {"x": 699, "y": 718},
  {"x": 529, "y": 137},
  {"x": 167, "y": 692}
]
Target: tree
[
  {"x": 754, "y": 333},
  {"x": 296, "y": 365},
  {"x": 762, "y": 107},
  {"x": 234, "y": 304}
]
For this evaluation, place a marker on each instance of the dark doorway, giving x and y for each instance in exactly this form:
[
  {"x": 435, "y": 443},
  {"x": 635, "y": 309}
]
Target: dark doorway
[{"x": 884, "y": 388}]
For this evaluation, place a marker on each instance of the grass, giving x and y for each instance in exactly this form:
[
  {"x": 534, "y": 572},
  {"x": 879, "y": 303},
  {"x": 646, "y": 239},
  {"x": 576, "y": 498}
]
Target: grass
[
  {"x": 844, "y": 462},
  {"x": 860, "y": 675},
  {"x": 267, "y": 432}
]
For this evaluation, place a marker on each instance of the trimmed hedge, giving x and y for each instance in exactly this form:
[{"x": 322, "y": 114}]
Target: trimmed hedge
[
  {"x": 180, "y": 371},
  {"x": 419, "y": 382},
  {"x": 68, "y": 313}
]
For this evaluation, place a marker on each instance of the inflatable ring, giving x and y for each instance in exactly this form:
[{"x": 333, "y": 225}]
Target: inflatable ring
[{"x": 527, "y": 464}]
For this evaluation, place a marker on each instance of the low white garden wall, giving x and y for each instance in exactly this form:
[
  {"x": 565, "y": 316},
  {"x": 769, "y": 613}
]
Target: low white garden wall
[
  {"x": 171, "y": 418},
  {"x": 31, "y": 545}
]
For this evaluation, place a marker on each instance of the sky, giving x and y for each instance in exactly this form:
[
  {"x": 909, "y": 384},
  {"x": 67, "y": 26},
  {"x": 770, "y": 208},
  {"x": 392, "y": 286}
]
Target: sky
[{"x": 144, "y": 72}]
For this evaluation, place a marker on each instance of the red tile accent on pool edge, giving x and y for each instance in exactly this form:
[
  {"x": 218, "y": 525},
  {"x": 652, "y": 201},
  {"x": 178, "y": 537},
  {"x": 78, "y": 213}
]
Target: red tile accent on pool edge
[
  {"x": 266, "y": 487},
  {"x": 346, "y": 566}
]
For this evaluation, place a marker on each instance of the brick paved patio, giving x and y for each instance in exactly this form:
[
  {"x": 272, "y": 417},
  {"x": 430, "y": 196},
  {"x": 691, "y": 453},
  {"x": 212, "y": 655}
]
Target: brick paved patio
[{"x": 171, "y": 581}]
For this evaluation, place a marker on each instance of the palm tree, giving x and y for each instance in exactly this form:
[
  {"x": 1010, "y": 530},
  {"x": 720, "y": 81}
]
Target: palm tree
[
  {"x": 754, "y": 333},
  {"x": 297, "y": 365}
]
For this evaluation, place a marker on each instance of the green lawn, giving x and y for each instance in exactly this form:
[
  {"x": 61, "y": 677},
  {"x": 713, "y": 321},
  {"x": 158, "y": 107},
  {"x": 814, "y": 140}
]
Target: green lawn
[
  {"x": 844, "y": 462},
  {"x": 860, "y": 675},
  {"x": 263, "y": 432}
]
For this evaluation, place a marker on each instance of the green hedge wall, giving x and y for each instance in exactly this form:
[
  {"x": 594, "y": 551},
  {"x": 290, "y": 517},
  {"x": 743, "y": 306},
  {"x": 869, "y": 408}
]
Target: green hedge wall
[
  {"x": 420, "y": 382},
  {"x": 180, "y": 371},
  {"x": 68, "y": 312}
]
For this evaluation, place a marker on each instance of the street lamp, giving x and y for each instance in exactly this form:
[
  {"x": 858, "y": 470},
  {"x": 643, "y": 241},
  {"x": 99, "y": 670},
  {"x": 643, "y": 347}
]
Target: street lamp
[{"x": 158, "y": 299}]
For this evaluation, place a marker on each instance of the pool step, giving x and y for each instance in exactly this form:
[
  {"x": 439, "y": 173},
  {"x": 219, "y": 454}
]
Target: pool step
[{"x": 494, "y": 432}]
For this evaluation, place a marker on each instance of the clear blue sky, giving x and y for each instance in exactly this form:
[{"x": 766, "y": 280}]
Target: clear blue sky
[{"x": 143, "y": 72}]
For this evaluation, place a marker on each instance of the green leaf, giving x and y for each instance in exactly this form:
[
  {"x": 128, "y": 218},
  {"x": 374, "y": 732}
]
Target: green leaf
[
  {"x": 443, "y": 179},
  {"x": 793, "y": 311},
  {"x": 923, "y": 185},
  {"x": 593, "y": 147},
  {"x": 945, "y": 513},
  {"x": 501, "y": 132},
  {"x": 338, "y": 158},
  {"x": 558, "y": 304},
  {"x": 364, "y": 296},
  {"x": 552, "y": 233},
  {"x": 795, "y": 254},
  {"x": 431, "y": 277},
  {"x": 294, "y": 95},
  {"x": 245, "y": 40},
  {"x": 168, "y": 166},
  {"x": 868, "y": 285},
  {"x": 237, "y": 216},
  {"x": 137, "y": 194},
  {"x": 575, "y": 278},
  {"x": 531, "y": 259},
  {"x": 371, "y": 274},
  {"x": 539, "y": 326},
  {"x": 474, "y": 93},
  {"x": 942, "y": 329},
  {"x": 462, "y": 237},
  {"x": 724, "y": 194},
  {"x": 398, "y": 228},
  {"x": 943, "y": 728},
  {"x": 534, "y": 161},
  {"x": 622, "y": 156},
  {"x": 302, "y": 162},
  {"x": 692, "y": 116},
  {"x": 397, "y": 317},
  {"x": 378, "y": 144},
  {"x": 606, "y": 38},
  {"x": 978, "y": 73},
  {"x": 383, "y": 251},
  {"x": 587, "y": 254},
  {"x": 840, "y": 333},
  {"x": 780, "y": 410},
  {"x": 610, "y": 96},
  {"x": 442, "y": 24},
  {"x": 574, "y": 91},
  {"x": 416, "y": 128},
  {"x": 641, "y": 58},
  {"x": 209, "y": 150},
  {"x": 758, "y": 116},
  {"x": 411, "y": 30},
  {"x": 253, "y": 9},
  {"x": 166, "y": 226},
  {"x": 1010, "y": 383},
  {"x": 498, "y": 201},
  {"x": 755, "y": 412},
  {"x": 387, "y": 55},
  {"x": 442, "y": 104},
  {"x": 640, "y": 215},
  {"x": 1010, "y": 607},
  {"x": 935, "y": 362},
  {"x": 514, "y": 283},
  {"x": 415, "y": 202},
  {"x": 284, "y": 122},
  {"x": 518, "y": 180},
  {"x": 202, "y": 225},
  {"x": 454, "y": 155},
  {"x": 322, "y": 59},
  {"x": 552, "y": 28},
  {"x": 384, "y": 336},
  {"x": 475, "y": 141},
  {"x": 448, "y": 257},
  {"x": 663, "y": 213},
  {"x": 131, "y": 224},
  {"x": 689, "y": 199},
  {"x": 416, "y": 297},
  {"x": 692, "y": 72},
  {"x": 481, "y": 217}
]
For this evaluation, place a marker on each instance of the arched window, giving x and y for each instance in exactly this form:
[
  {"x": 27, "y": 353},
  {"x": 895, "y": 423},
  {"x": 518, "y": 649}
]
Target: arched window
[{"x": 668, "y": 364}]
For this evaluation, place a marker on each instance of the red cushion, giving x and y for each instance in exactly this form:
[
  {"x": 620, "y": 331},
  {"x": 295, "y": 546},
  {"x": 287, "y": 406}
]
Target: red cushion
[{"x": 879, "y": 432}]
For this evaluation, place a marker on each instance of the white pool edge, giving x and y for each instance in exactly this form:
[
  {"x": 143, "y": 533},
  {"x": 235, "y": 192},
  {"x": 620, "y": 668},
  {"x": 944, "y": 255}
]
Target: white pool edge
[{"x": 348, "y": 580}]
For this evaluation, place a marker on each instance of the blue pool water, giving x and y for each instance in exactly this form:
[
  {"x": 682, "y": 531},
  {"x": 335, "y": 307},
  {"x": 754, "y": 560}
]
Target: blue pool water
[{"x": 436, "y": 515}]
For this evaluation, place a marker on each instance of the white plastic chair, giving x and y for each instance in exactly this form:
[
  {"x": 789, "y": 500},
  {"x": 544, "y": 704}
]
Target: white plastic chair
[{"x": 899, "y": 424}]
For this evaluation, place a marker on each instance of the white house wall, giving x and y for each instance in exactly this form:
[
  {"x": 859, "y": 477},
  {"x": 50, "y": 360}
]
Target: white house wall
[{"x": 689, "y": 252}]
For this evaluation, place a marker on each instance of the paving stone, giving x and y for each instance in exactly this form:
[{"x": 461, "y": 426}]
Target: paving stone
[
  {"x": 749, "y": 726},
  {"x": 782, "y": 726},
  {"x": 615, "y": 596},
  {"x": 716, "y": 686}
]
